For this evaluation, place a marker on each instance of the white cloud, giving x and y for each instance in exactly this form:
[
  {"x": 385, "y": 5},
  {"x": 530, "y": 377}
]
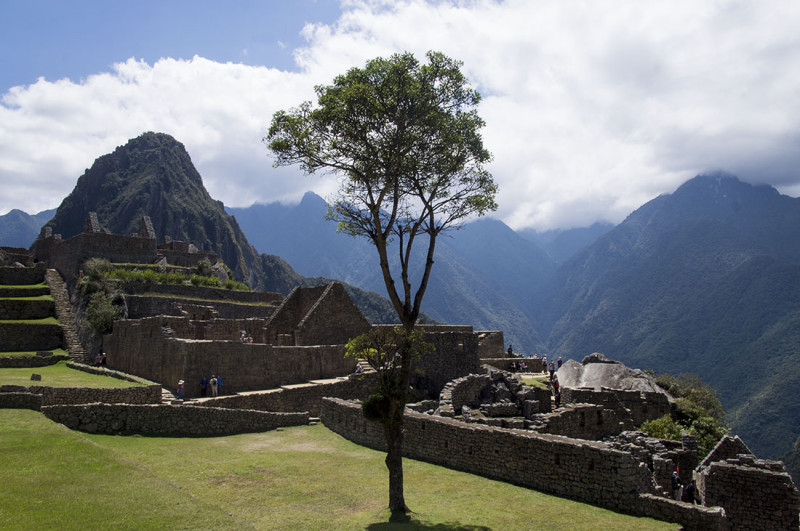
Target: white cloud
[{"x": 592, "y": 108}]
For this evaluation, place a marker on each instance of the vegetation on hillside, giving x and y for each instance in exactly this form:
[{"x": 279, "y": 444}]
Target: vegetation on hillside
[{"x": 698, "y": 411}]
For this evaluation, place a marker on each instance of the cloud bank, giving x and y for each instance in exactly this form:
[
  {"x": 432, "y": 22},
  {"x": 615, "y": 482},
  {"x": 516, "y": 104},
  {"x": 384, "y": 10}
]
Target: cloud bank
[{"x": 592, "y": 108}]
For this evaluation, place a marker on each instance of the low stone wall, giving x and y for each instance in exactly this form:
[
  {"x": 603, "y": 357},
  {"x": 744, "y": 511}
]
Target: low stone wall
[
  {"x": 30, "y": 336},
  {"x": 586, "y": 471},
  {"x": 25, "y": 291},
  {"x": 168, "y": 420},
  {"x": 140, "y": 306},
  {"x": 198, "y": 292},
  {"x": 535, "y": 365},
  {"x": 299, "y": 397},
  {"x": 16, "y": 309},
  {"x": 755, "y": 494},
  {"x": 23, "y": 362},
  {"x": 582, "y": 421},
  {"x": 20, "y": 400},
  {"x": 689, "y": 516},
  {"x": 86, "y": 395},
  {"x": 491, "y": 344},
  {"x": 632, "y": 407},
  {"x": 21, "y": 276}
]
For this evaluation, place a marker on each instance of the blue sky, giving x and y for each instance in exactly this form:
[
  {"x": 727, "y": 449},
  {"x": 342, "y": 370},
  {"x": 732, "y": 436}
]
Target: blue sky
[
  {"x": 56, "y": 38},
  {"x": 590, "y": 110}
]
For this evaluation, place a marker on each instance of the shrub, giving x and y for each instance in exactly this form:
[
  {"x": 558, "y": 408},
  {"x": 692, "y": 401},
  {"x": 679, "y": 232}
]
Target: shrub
[{"x": 101, "y": 313}]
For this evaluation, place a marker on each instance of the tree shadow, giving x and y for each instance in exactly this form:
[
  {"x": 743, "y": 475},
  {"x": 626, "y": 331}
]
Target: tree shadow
[{"x": 405, "y": 521}]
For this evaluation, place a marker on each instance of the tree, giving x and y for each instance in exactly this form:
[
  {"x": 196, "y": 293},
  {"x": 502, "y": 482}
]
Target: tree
[{"x": 404, "y": 138}]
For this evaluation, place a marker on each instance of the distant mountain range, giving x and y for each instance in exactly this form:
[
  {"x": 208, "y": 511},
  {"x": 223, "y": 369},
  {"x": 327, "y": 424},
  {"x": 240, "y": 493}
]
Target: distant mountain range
[
  {"x": 19, "y": 229},
  {"x": 705, "y": 280}
]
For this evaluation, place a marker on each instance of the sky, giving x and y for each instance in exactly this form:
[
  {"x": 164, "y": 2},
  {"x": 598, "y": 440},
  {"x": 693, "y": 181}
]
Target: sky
[{"x": 592, "y": 108}]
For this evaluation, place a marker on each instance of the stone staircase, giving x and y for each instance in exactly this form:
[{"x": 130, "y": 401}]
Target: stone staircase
[{"x": 65, "y": 315}]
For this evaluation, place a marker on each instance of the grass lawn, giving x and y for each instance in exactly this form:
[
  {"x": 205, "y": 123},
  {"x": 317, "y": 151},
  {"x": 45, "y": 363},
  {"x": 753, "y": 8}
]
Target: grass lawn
[
  {"x": 32, "y": 353},
  {"x": 535, "y": 381},
  {"x": 59, "y": 375},
  {"x": 26, "y": 286},
  {"x": 34, "y": 298},
  {"x": 295, "y": 478},
  {"x": 32, "y": 322}
]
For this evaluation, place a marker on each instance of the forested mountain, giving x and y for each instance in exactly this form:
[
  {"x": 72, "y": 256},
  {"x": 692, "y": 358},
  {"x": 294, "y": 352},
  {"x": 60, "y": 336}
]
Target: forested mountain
[
  {"x": 19, "y": 229},
  {"x": 705, "y": 280}
]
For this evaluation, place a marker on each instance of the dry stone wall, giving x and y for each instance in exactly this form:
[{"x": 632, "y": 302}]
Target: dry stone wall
[
  {"x": 42, "y": 359},
  {"x": 22, "y": 276},
  {"x": 168, "y": 420},
  {"x": 755, "y": 494},
  {"x": 86, "y": 395},
  {"x": 147, "y": 348},
  {"x": 590, "y": 472},
  {"x": 16, "y": 309},
  {"x": 631, "y": 407},
  {"x": 20, "y": 400},
  {"x": 30, "y": 336},
  {"x": 299, "y": 397}
]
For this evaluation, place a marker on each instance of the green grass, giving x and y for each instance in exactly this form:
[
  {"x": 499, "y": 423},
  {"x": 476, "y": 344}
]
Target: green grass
[
  {"x": 59, "y": 375},
  {"x": 36, "y": 298},
  {"x": 535, "y": 381},
  {"x": 295, "y": 478},
  {"x": 32, "y": 353},
  {"x": 201, "y": 299},
  {"x": 25, "y": 286},
  {"x": 46, "y": 320}
]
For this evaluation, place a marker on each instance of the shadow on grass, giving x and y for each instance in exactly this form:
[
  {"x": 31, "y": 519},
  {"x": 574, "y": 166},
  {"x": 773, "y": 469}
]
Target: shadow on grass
[{"x": 407, "y": 522}]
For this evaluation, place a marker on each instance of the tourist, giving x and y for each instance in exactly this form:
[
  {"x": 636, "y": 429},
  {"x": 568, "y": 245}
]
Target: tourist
[
  {"x": 544, "y": 363},
  {"x": 203, "y": 386},
  {"x": 510, "y": 350},
  {"x": 103, "y": 360},
  {"x": 358, "y": 369},
  {"x": 691, "y": 493},
  {"x": 97, "y": 360},
  {"x": 558, "y": 398},
  {"x": 219, "y": 385},
  {"x": 677, "y": 486},
  {"x": 213, "y": 384},
  {"x": 552, "y": 369},
  {"x": 559, "y": 362},
  {"x": 180, "y": 389}
]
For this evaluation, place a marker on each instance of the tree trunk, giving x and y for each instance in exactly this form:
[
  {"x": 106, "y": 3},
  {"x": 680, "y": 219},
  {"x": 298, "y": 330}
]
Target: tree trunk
[{"x": 393, "y": 432}]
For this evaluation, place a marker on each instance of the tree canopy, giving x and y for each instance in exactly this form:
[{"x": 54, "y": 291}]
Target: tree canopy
[{"x": 405, "y": 139}]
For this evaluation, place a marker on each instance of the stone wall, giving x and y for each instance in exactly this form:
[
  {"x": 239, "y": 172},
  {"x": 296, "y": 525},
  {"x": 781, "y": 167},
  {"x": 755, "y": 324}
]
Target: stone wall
[
  {"x": 631, "y": 407},
  {"x": 205, "y": 293},
  {"x": 755, "y": 494},
  {"x": 20, "y": 400},
  {"x": 150, "y": 394},
  {"x": 22, "y": 276},
  {"x": 68, "y": 256},
  {"x": 30, "y": 337},
  {"x": 167, "y": 420},
  {"x": 455, "y": 355},
  {"x": 582, "y": 421},
  {"x": 19, "y": 309},
  {"x": 334, "y": 319},
  {"x": 287, "y": 317},
  {"x": 148, "y": 348},
  {"x": 586, "y": 471},
  {"x": 42, "y": 359},
  {"x": 9, "y": 255},
  {"x": 299, "y": 397},
  {"x": 491, "y": 344},
  {"x": 140, "y": 306}
]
